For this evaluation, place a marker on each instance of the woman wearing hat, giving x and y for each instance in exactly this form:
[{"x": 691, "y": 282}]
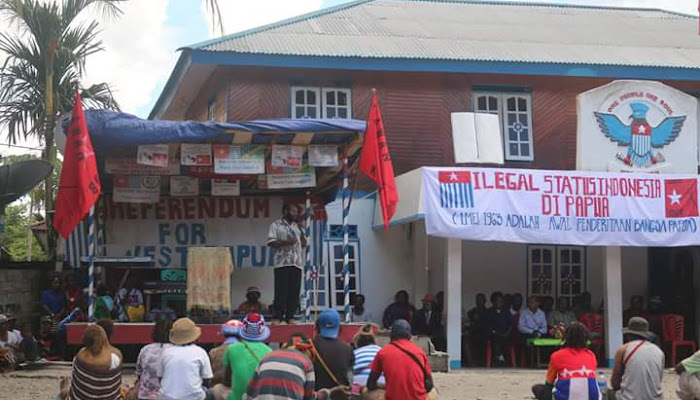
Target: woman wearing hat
[
  {"x": 185, "y": 370},
  {"x": 243, "y": 357},
  {"x": 639, "y": 365}
]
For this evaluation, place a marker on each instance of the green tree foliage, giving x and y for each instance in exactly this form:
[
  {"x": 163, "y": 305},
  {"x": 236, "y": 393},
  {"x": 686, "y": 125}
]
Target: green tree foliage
[{"x": 14, "y": 240}]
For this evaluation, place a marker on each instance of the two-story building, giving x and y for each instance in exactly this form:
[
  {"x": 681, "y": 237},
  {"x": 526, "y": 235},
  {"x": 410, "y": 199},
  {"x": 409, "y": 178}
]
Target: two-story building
[{"x": 427, "y": 59}]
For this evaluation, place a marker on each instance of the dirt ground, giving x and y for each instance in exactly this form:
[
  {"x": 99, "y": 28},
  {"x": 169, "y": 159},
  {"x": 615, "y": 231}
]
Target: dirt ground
[{"x": 464, "y": 384}]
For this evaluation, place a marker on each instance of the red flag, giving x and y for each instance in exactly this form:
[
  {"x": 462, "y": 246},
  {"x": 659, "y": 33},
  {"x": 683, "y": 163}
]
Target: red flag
[
  {"x": 681, "y": 198},
  {"x": 375, "y": 162},
  {"x": 79, "y": 187}
]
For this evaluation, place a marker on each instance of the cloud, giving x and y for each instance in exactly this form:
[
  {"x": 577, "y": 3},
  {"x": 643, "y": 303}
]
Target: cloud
[{"x": 241, "y": 15}]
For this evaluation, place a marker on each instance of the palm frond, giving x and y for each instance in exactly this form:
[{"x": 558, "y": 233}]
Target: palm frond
[{"x": 217, "y": 20}]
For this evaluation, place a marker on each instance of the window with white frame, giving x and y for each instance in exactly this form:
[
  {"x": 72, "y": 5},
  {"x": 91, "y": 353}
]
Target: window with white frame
[
  {"x": 211, "y": 107},
  {"x": 556, "y": 271},
  {"x": 316, "y": 102},
  {"x": 337, "y": 278},
  {"x": 515, "y": 112}
]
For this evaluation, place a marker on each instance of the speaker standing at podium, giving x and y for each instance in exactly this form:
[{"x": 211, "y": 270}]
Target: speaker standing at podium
[{"x": 288, "y": 241}]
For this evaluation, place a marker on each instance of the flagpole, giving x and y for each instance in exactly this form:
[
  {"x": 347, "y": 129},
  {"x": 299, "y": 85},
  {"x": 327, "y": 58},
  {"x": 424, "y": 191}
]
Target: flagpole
[
  {"x": 308, "y": 267},
  {"x": 91, "y": 268},
  {"x": 346, "y": 244}
]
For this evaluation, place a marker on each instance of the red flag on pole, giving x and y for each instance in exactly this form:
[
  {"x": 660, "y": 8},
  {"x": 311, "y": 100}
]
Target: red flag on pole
[
  {"x": 79, "y": 187},
  {"x": 375, "y": 162}
]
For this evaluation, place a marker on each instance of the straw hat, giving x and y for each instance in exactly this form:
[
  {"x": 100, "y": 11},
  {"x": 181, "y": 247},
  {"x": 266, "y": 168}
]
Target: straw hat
[{"x": 184, "y": 331}]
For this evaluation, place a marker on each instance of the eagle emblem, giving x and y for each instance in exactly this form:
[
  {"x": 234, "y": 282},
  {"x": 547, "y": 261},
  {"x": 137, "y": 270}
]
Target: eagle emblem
[{"x": 639, "y": 136}]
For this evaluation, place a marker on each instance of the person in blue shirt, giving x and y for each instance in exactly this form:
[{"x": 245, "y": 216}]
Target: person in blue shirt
[
  {"x": 533, "y": 321},
  {"x": 53, "y": 301}
]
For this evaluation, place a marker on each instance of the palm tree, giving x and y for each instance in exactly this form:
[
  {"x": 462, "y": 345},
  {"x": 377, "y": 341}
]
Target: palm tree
[
  {"x": 46, "y": 57},
  {"x": 216, "y": 19}
]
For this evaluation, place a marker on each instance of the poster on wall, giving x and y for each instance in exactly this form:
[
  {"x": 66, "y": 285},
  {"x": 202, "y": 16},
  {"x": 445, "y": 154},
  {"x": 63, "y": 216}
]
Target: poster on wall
[
  {"x": 295, "y": 178},
  {"x": 239, "y": 159},
  {"x": 323, "y": 156},
  {"x": 225, "y": 187},
  {"x": 184, "y": 186},
  {"x": 195, "y": 154},
  {"x": 136, "y": 189},
  {"x": 637, "y": 126},
  {"x": 562, "y": 207},
  {"x": 127, "y": 166},
  {"x": 287, "y": 156},
  {"x": 155, "y": 155}
]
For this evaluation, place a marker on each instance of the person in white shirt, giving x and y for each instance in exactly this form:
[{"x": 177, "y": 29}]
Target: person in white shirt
[
  {"x": 288, "y": 240},
  {"x": 359, "y": 312},
  {"x": 185, "y": 370}
]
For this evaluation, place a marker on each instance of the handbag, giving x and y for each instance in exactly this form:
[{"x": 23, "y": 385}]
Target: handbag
[{"x": 427, "y": 378}]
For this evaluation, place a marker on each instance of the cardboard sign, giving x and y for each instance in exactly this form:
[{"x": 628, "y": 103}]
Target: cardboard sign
[
  {"x": 195, "y": 154},
  {"x": 184, "y": 186},
  {"x": 239, "y": 159},
  {"x": 287, "y": 156},
  {"x": 323, "y": 156},
  {"x": 136, "y": 189},
  {"x": 225, "y": 187}
]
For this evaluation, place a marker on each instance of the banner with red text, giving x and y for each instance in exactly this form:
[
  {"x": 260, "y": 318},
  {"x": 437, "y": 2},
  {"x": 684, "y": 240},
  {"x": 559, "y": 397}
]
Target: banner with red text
[{"x": 561, "y": 207}]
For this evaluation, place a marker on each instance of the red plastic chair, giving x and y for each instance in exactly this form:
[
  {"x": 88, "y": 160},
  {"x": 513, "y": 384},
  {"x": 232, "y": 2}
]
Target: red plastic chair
[
  {"x": 489, "y": 355},
  {"x": 596, "y": 329},
  {"x": 673, "y": 328}
]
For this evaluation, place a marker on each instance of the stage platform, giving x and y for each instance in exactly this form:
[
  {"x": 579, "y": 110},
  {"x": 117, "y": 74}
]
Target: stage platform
[{"x": 140, "y": 333}]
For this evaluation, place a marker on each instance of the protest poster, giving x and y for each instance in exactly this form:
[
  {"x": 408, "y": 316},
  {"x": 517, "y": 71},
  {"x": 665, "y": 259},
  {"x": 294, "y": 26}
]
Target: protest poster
[
  {"x": 155, "y": 155},
  {"x": 127, "y": 166},
  {"x": 287, "y": 156},
  {"x": 136, "y": 189},
  {"x": 184, "y": 186},
  {"x": 290, "y": 178},
  {"x": 195, "y": 154},
  {"x": 239, "y": 159},
  {"x": 323, "y": 156},
  {"x": 225, "y": 187}
]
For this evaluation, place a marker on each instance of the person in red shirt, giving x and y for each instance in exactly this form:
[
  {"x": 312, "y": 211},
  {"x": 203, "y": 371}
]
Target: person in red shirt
[{"x": 405, "y": 378}]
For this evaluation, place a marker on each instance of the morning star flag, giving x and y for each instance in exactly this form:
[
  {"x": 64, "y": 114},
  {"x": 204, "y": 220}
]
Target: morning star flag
[
  {"x": 456, "y": 189},
  {"x": 561, "y": 207},
  {"x": 375, "y": 162},
  {"x": 79, "y": 186}
]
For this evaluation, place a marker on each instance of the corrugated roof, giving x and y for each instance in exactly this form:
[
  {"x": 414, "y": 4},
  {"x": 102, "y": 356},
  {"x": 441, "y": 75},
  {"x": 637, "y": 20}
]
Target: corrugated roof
[{"x": 479, "y": 31}]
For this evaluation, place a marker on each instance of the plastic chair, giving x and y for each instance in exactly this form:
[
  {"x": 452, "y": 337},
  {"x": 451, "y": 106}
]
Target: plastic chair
[
  {"x": 489, "y": 355},
  {"x": 596, "y": 330},
  {"x": 673, "y": 328}
]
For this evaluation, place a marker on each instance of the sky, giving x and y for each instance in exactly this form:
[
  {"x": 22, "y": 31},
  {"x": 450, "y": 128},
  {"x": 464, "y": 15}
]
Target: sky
[{"x": 141, "y": 46}]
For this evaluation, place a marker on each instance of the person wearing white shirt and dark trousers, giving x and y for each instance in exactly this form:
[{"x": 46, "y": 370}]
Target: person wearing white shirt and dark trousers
[
  {"x": 288, "y": 241},
  {"x": 533, "y": 321}
]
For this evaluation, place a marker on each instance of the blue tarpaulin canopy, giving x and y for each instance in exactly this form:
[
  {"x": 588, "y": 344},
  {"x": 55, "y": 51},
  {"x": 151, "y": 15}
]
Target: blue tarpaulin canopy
[{"x": 111, "y": 129}]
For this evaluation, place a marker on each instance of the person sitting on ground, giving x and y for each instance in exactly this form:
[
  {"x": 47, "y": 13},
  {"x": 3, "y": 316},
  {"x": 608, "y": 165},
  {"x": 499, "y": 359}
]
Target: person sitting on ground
[
  {"x": 517, "y": 304},
  {"x": 562, "y": 316},
  {"x": 639, "y": 365},
  {"x": 359, "y": 312},
  {"x": 96, "y": 373},
  {"x": 242, "y": 358},
  {"x": 333, "y": 358},
  {"x": 150, "y": 358},
  {"x": 108, "y": 325},
  {"x": 572, "y": 369},
  {"x": 365, "y": 351},
  {"x": 9, "y": 345},
  {"x": 499, "y": 325},
  {"x": 404, "y": 365},
  {"x": 636, "y": 309},
  {"x": 185, "y": 369},
  {"x": 689, "y": 379},
  {"x": 231, "y": 331},
  {"x": 288, "y": 374},
  {"x": 533, "y": 322},
  {"x": 104, "y": 304},
  {"x": 426, "y": 320},
  {"x": 29, "y": 346},
  {"x": 252, "y": 303},
  {"x": 399, "y": 309}
]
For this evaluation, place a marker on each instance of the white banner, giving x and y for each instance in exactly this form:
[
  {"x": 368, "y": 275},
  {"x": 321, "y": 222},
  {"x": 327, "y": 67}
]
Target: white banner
[
  {"x": 287, "y": 156},
  {"x": 561, "y": 207},
  {"x": 136, "y": 189},
  {"x": 184, "y": 186},
  {"x": 239, "y": 160},
  {"x": 225, "y": 187},
  {"x": 323, "y": 156},
  {"x": 195, "y": 154}
]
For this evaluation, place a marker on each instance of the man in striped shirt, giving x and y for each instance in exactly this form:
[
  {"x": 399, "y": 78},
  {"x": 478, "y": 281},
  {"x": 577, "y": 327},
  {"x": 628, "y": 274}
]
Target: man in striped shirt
[
  {"x": 288, "y": 374},
  {"x": 365, "y": 351}
]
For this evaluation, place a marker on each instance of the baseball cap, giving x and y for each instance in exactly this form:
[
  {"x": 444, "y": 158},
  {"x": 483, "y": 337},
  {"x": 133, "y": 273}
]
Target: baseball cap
[
  {"x": 329, "y": 324},
  {"x": 401, "y": 327}
]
